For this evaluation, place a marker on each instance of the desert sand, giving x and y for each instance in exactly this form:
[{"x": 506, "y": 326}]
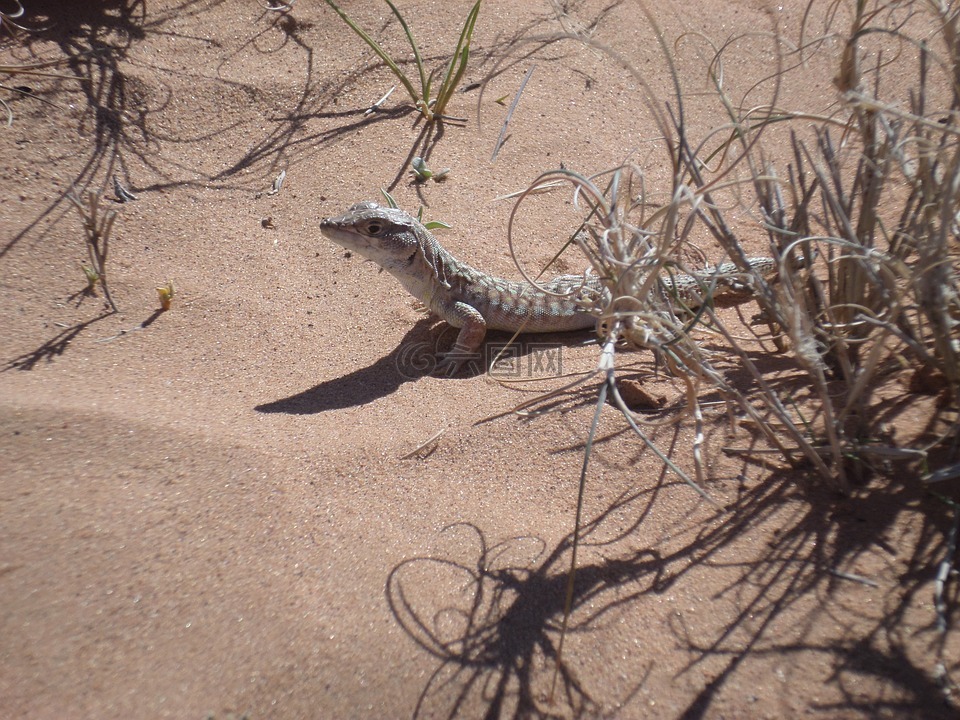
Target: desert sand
[{"x": 220, "y": 511}]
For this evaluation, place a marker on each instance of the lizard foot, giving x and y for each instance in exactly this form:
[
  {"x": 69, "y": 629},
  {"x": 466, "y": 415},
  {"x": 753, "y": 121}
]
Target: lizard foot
[{"x": 449, "y": 363}]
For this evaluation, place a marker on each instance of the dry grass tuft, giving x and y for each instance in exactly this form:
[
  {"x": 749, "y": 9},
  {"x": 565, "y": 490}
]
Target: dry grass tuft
[
  {"x": 97, "y": 228},
  {"x": 862, "y": 222}
]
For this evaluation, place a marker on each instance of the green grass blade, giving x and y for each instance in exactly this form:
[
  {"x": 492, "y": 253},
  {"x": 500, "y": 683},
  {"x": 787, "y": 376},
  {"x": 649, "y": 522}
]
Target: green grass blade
[
  {"x": 389, "y": 198},
  {"x": 375, "y": 46},
  {"x": 424, "y": 85},
  {"x": 458, "y": 63},
  {"x": 427, "y": 87},
  {"x": 449, "y": 86}
]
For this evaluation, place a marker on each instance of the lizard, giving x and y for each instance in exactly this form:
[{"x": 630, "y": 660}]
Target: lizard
[{"x": 474, "y": 301}]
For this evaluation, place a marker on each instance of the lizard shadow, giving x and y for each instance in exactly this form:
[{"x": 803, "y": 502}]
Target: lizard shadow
[
  {"x": 415, "y": 357},
  {"x": 360, "y": 387}
]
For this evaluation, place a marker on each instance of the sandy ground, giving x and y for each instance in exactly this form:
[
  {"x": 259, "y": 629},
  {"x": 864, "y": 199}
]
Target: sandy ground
[{"x": 210, "y": 512}]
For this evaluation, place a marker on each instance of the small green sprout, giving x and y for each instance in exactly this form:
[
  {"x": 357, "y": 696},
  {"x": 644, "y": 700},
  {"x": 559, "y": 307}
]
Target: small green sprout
[
  {"x": 422, "y": 173},
  {"x": 93, "y": 277},
  {"x": 166, "y": 293}
]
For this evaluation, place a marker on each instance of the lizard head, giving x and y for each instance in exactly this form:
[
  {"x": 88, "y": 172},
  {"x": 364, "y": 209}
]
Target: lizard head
[{"x": 387, "y": 236}]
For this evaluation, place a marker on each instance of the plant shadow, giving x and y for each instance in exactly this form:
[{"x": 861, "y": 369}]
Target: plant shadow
[
  {"x": 54, "y": 347},
  {"x": 490, "y": 616},
  {"x": 497, "y": 639}
]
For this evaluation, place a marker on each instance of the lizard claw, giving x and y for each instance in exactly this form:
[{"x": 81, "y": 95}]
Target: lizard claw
[
  {"x": 446, "y": 367},
  {"x": 449, "y": 363}
]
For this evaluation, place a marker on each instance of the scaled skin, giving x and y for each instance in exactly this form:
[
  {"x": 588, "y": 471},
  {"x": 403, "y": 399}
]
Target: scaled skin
[{"x": 463, "y": 296}]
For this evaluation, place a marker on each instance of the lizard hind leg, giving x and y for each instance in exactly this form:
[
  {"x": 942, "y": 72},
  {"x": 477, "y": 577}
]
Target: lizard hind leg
[{"x": 473, "y": 328}]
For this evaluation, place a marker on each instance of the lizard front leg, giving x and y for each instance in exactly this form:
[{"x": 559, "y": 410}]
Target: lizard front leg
[{"x": 473, "y": 328}]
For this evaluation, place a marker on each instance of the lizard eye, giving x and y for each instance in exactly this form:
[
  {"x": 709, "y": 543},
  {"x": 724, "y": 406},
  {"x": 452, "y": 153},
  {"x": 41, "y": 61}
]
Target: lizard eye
[{"x": 374, "y": 227}]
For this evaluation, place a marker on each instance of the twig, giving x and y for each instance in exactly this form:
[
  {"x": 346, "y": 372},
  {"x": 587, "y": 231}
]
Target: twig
[
  {"x": 277, "y": 183},
  {"x": 381, "y": 101},
  {"x": 123, "y": 195},
  {"x": 945, "y": 473},
  {"x": 855, "y": 578},
  {"x": 513, "y": 106},
  {"x": 539, "y": 189},
  {"x": 944, "y": 570},
  {"x": 422, "y": 445}
]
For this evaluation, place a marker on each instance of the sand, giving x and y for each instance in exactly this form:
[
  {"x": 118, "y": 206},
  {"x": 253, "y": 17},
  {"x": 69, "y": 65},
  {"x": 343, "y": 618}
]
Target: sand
[{"x": 213, "y": 511}]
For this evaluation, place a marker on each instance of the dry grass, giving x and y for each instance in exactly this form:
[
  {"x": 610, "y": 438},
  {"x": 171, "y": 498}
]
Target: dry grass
[
  {"x": 862, "y": 219},
  {"x": 97, "y": 228},
  {"x": 862, "y": 222}
]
